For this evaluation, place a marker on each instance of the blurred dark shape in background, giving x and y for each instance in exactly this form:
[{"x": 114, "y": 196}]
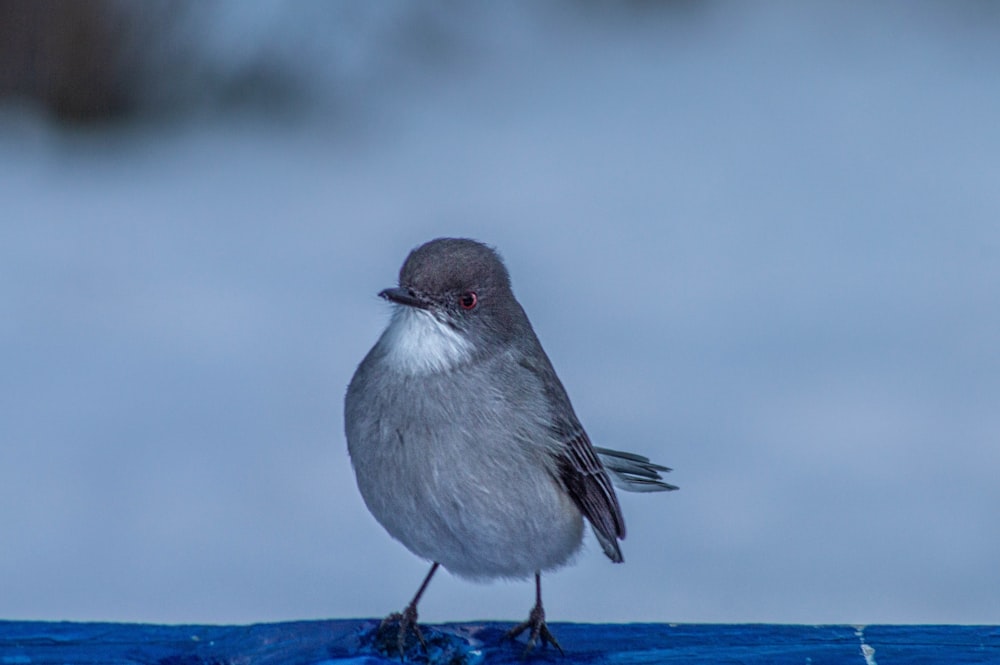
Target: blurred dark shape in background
[
  {"x": 75, "y": 59},
  {"x": 99, "y": 61}
]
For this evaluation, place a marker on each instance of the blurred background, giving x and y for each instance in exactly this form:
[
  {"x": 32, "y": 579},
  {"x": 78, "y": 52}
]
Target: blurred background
[{"x": 760, "y": 242}]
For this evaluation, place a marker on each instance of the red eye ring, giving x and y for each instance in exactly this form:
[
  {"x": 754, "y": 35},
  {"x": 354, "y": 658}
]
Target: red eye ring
[{"x": 468, "y": 300}]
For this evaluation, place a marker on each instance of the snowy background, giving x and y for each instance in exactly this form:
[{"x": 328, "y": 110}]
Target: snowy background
[{"x": 760, "y": 242}]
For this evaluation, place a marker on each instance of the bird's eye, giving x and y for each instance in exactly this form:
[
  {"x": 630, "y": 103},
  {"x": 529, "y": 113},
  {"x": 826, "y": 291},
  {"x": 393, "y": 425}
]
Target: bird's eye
[{"x": 468, "y": 300}]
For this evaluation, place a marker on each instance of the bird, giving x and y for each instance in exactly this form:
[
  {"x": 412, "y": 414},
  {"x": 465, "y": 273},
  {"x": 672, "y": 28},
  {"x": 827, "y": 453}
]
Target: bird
[{"x": 464, "y": 443}]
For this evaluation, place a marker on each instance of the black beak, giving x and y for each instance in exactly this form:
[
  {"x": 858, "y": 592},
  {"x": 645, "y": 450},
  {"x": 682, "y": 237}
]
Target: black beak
[{"x": 403, "y": 297}]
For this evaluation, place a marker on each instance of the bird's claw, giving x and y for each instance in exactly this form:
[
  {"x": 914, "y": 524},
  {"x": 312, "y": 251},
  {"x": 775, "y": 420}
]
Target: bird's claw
[
  {"x": 406, "y": 623},
  {"x": 539, "y": 631}
]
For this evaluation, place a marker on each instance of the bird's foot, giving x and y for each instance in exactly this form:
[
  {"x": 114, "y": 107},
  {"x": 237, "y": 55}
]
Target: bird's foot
[
  {"x": 394, "y": 630},
  {"x": 538, "y": 632}
]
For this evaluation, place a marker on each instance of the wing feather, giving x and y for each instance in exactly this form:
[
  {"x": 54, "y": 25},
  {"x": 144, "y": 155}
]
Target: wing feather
[
  {"x": 578, "y": 467},
  {"x": 588, "y": 484}
]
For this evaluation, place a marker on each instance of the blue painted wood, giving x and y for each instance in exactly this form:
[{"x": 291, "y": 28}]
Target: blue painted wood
[{"x": 350, "y": 641}]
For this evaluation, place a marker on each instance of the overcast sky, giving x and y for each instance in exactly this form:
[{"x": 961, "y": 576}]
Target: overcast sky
[{"x": 760, "y": 244}]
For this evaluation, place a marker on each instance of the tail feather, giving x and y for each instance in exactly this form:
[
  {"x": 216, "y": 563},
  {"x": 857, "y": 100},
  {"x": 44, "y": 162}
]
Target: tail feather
[{"x": 633, "y": 473}]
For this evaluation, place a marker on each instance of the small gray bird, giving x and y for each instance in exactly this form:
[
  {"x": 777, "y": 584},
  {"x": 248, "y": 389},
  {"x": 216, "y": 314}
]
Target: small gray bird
[{"x": 464, "y": 442}]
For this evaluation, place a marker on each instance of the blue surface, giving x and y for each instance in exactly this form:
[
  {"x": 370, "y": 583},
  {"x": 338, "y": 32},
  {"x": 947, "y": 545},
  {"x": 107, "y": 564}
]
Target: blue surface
[{"x": 348, "y": 641}]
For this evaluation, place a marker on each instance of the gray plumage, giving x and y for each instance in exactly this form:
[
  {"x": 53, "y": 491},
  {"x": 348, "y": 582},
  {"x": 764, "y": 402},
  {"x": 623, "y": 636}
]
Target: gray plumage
[{"x": 463, "y": 440}]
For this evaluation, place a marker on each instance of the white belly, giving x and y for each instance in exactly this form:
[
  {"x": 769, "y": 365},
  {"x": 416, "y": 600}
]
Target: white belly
[{"x": 482, "y": 527}]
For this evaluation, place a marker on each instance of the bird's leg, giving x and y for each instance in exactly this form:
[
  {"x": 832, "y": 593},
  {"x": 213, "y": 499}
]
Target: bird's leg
[
  {"x": 407, "y": 619},
  {"x": 536, "y": 622}
]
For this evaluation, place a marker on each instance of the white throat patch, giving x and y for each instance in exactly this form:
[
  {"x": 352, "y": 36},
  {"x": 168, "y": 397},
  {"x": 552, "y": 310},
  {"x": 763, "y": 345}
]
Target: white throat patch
[{"x": 417, "y": 343}]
